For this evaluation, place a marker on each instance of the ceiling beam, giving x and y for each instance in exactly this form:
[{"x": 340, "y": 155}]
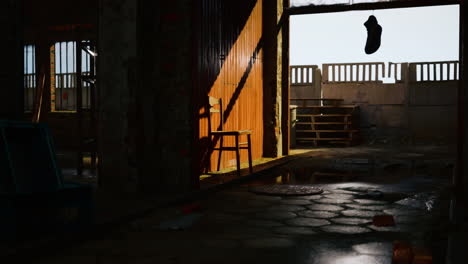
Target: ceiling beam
[{"x": 313, "y": 9}]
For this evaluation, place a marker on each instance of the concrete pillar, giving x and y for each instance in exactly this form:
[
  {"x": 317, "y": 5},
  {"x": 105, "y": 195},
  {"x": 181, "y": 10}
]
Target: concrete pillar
[
  {"x": 325, "y": 73},
  {"x": 461, "y": 179},
  {"x": 11, "y": 67},
  {"x": 317, "y": 84},
  {"x": 116, "y": 56},
  {"x": 406, "y": 73},
  {"x": 273, "y": 75},
  {"x": 285, "y": 92},
  {"x": 145, "y": 84},
  {"x": 149, "y": 40},
  {"x": 165, "y": 95},
  {"x": 411, "y": 73}
]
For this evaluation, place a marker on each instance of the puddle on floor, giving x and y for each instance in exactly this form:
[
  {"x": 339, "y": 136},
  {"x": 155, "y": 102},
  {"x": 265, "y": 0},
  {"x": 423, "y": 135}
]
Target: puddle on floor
[{"x": 360, "y": 169}]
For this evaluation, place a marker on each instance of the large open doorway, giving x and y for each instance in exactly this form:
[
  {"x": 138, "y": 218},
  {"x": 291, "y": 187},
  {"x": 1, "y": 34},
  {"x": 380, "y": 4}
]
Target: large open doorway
[
  {"x": 395, "y": 110},
  {"x": 403, "y": 93}
]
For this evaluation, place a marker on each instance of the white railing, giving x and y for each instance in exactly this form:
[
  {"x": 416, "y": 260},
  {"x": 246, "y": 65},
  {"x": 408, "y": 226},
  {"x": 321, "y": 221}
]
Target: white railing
[
  {"x": 435, "y": 71},
  {"x": 395, "y": 71},
  {"x": 65, "y": 80},
  {"x": 302, "y": 74},
  {"x": 354, "y": 72}
]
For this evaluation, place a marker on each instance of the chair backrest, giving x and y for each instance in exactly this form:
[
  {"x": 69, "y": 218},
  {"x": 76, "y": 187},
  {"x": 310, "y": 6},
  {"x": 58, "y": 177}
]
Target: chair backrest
[{"x": 212, "y": 102}]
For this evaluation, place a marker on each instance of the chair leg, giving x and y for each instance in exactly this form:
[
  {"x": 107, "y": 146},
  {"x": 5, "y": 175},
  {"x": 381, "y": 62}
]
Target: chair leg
[
  {"x": 249, "y": 149},
  {"x": 220, "y": 151},
  {"x": 206, "y": 158},
  {"x": 238, "y": 155}
]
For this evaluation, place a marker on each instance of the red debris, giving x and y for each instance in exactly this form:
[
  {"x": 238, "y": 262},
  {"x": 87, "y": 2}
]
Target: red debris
[
  {"x": 422, "y": 256},
  {"x": 383, "y": 220},
  {"x": 190, "y": 208},
  {"x": 402, "y": 253}
]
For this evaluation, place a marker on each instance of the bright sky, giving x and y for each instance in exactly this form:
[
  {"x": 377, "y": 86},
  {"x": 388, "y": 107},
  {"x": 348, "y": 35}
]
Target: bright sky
[{"x": 408, "y": 35}]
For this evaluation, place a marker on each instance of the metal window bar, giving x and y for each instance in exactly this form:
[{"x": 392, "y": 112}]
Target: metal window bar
[
  {"x": 59, "y": 74},
  {"x": 29, "y": 76},
  {"x": 86, "y": 71},
  {"x": 66, "y": 78}
]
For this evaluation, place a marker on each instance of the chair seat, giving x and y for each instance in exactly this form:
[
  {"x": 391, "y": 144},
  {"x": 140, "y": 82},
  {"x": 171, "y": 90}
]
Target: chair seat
[
  {"x": 215, "y": 106},
  {"x": 233, "y": 133},
  {"x": 230, "y": 148}
]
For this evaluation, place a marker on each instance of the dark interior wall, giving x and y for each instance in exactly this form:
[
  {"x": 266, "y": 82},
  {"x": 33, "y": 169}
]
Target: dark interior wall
[
  {"x": 144, "y": 71},
  {"x": 59, "y": 19},
  {"x": 59, "y": 12},
  {"x": 11, "y": 66}
]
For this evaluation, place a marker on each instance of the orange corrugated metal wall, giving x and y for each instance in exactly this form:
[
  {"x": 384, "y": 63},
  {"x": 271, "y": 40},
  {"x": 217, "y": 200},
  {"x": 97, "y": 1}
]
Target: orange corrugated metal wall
[{"x": 230, "y": 67}]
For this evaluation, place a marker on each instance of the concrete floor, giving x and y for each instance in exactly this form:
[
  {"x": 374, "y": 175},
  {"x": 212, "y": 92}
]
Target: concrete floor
[{"x": 238, "y": 226}]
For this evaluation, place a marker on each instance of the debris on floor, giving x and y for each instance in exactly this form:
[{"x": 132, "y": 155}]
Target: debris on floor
[
  {"x": 402, "y": 253},
  {"x": 423, "y": 201},
  {"x": 383, "y": 220},
  {"x": 180, "y": 223},
  {"x": 421, "y": 256}
]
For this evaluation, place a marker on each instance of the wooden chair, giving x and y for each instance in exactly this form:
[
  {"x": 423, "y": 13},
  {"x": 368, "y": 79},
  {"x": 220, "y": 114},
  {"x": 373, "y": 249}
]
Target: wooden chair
[{"x": 219, "y": 132}]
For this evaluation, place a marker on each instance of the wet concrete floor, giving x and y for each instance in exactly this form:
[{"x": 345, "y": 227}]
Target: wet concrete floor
[{"x": 336, "y": 226}]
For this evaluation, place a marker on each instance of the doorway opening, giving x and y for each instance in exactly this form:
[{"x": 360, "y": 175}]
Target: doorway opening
[
  {"x": 395, "y": 111},
  {"x": 404, "y": 93}
]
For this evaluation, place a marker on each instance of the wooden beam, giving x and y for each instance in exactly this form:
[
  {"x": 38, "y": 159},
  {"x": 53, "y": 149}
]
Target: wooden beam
[
  {"x": 313, "y": 9},
  {"x": 285, "y": 83},
  {"x": 38, "y": 107}
]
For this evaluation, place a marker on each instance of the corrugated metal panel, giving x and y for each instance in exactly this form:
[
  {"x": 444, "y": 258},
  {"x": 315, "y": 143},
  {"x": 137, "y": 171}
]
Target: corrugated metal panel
[{"x": 230, "y": 67}]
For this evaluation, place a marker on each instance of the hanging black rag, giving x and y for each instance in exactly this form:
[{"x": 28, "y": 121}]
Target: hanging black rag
[{"x": 374, "y": 32}]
